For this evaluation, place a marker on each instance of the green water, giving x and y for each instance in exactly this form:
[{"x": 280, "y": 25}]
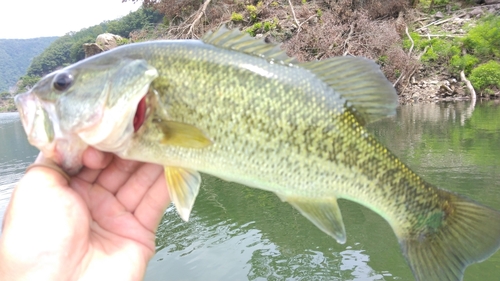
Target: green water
[{"x": 239, "y": 233}]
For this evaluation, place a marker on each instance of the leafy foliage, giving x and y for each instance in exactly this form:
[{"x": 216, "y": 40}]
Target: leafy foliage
[
  {"x": 466, "y": 63},
  {"x": 16, "y": 56},
  {"x": 236, "y": 17},
  {"x": 68, "y": 49},
  {"x": 484, "y": 39},
  {"x": 142, "y": 18},
  {"x": 27, "y": 82},
  {"x": 486, "y": 76}
]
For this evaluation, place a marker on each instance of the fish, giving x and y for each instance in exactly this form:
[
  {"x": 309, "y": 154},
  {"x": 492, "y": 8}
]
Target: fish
[{"x": 239, "y": 109}]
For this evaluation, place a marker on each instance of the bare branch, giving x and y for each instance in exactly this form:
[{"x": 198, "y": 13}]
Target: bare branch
[
  {"x": 411, "y": 39},
  {"x": 200, "y": 13},
  {"x": 294, "y": 17},
  {"x": 346, "y": 42}
]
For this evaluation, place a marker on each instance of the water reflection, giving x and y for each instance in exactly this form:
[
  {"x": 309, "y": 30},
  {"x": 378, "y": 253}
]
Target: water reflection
[{"x": 15, "y": 155}]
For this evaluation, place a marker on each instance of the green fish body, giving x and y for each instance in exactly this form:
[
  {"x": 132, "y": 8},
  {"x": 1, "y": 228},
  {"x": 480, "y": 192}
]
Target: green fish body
[{"x": 241, "y": 110}]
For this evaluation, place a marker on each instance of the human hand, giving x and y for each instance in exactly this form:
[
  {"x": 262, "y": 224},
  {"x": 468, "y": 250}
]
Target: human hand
[{"x": 98, "y": 226}]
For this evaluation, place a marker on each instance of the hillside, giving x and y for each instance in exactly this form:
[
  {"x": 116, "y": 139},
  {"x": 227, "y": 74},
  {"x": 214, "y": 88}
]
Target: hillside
[{"x": 16, "y": 56}]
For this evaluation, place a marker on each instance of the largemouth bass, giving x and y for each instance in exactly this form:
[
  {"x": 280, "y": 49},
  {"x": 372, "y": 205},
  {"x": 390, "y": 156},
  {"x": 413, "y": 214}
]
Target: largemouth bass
[{"x": 241, "y": 110}]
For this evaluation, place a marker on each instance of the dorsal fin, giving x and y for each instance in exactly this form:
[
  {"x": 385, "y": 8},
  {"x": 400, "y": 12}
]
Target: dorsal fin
[
  {"x": 361, "y": 82},
  {"x": 243, "y": 42}
]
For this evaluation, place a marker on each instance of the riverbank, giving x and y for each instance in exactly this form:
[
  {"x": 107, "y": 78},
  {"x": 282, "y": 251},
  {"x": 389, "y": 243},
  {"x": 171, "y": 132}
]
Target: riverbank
[
  {"x": 419, "y": 50},
  {"x": 7, "y": 104}
]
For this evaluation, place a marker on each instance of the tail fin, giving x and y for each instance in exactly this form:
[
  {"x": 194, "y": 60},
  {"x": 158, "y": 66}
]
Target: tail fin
[{"x": 470, "y": 233}]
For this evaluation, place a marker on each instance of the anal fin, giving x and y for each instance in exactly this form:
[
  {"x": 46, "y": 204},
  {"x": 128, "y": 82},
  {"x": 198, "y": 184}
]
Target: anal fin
[
  {"x": 323, "y": 212},
  {"x": 183, "y": 187}
]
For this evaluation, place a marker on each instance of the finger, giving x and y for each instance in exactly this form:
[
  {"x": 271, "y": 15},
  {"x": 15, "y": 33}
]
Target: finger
[
  {"x": 117, "y": 173},
  {"x": 94, "y": 161},
  {"x": 49, "y": 167},
  {"x": 153, "y": 205},
  {"x": 132, "y": 192}
]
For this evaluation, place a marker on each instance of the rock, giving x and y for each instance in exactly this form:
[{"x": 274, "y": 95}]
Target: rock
[
  {"x": 459, "y": 91},
  {"x": 439, "y": 15},
  {"x": 91, "y": 49},
  {"x": 108, "y": 41},
  {"x": 489, "y": 2},
  {"x": 477, "y": 11}
]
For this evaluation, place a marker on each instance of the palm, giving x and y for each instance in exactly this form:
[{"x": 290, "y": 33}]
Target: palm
[{"x": 102, "y": 227}]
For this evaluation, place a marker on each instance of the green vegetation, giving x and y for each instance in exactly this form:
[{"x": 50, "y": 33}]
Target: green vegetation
[
  {"x": 466, "y": 63},
  {"x": 68, "y": 49},
  {"x": 486, "y": 76},
  {"x": 484, "y": 39},
  {"x": 438, "y": 49},
  {"x": 236, "y": 17},
  {"x": 252, "y": 30},
  {"x": 252, "y": 11},
  {"x": 262, "y": 27},
  {"x": 482, "y": 46},
  {"x": 6, "y": 102},
  {"x": 15, "y": 57}
]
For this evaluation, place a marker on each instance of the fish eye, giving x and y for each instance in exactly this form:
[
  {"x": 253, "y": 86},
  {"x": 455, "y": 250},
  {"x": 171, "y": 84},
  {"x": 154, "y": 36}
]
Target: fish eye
[{"x": 62, "y": 81}]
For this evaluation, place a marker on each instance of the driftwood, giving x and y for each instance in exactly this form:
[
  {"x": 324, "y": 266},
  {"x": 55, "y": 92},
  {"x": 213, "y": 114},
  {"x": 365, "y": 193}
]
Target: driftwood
[
  {"x": 469, "y": 86},
  {"x": 467, "y": 82},
  {"x": 346, "y": 42},
  {"x": 411, "y": 39},
  {"x": 438, "y": 22}
]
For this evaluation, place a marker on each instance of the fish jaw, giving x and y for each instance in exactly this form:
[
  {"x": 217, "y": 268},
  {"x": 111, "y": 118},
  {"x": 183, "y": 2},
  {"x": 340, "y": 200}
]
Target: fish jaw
[
  {"x": 43, "y": 132},
  {"x": 97, "y": 108}
]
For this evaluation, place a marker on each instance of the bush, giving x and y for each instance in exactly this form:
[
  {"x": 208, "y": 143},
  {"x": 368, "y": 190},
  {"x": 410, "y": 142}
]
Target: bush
[
  {"x": 439, "y": 50},
  {"x": 252, "y": 10},
  {"x": 486, "y": 76},
  {"x": 466, "y": 63},
  {"x": 5, "y": 95},
  {"x": 484, "y": 39},
  {"x": 236, "y": 17}
]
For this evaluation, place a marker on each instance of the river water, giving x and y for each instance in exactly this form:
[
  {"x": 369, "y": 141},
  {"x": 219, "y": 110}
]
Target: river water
[{"x": 240, "y": 233}]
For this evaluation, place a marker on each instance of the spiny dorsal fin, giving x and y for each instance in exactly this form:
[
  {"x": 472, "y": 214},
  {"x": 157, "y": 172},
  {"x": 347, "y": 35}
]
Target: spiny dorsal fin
[
  {"x": 361, "y": 82},
  {"x": 243, "y": 42}
]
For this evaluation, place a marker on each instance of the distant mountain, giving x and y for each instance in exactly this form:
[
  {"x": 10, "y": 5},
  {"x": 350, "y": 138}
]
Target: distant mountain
[{"x": 16, "y": 56}]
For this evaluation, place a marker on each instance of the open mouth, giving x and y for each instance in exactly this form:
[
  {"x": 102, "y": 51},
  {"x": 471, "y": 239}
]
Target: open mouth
[{"x": 140, "y": 114}]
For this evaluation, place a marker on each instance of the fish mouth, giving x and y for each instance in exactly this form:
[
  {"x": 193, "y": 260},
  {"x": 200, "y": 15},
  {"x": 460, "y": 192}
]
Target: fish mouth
[
  {"x": 140, "y": 114},
  {"x": 26, "y": 106}
]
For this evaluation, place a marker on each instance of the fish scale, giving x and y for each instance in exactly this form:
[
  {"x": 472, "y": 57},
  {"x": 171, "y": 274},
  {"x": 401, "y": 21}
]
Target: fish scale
[{"x": 264, "y": 120}]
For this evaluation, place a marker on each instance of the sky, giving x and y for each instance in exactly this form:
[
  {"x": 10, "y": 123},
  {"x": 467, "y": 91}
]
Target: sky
[{"x": 22, "y": 19}]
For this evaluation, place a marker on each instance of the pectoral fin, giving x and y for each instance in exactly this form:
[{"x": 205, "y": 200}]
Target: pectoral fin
[
  {"x": 323, "y": 212},
  {"x": 183, "y": 135},
  {"x": 183, "y": 187}
]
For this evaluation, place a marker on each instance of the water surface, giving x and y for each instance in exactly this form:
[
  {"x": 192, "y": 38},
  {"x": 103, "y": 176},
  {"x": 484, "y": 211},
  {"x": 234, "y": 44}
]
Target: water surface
[{"x": 240, "y": 233}]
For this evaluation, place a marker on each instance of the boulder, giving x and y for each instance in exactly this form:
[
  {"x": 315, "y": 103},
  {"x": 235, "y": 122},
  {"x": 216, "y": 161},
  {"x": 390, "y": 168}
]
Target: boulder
[
  {"x": 108, "y": 41},
  {"x": 477, "y": 11},
  {"x": 91, "y": 49}
]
